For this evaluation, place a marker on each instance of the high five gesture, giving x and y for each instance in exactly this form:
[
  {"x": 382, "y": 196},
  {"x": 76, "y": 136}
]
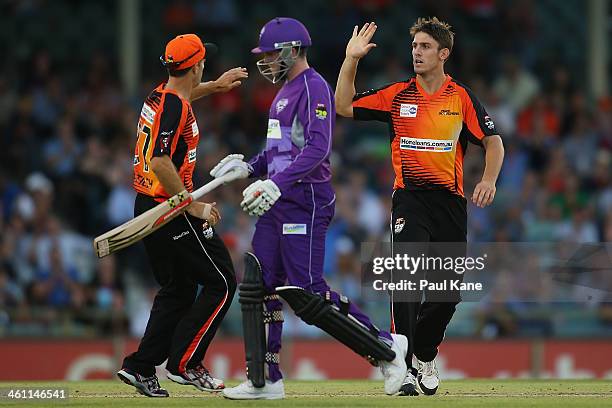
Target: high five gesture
[
  {"x": 358, "y": 47},
  {"x": 359, "y": 44}
]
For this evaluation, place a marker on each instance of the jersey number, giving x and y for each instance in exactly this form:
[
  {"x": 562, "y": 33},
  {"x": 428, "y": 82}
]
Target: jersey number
[{"x": 146, "y": 132}]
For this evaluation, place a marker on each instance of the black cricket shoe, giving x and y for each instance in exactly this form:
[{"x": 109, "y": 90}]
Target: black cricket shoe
[
  {"x": 148, "y": 386},
  {"x": 408, "y": 388}
]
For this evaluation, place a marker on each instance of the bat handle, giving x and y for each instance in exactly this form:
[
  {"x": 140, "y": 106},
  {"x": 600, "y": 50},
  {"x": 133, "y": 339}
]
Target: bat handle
[{"x": 208, "y": 187}]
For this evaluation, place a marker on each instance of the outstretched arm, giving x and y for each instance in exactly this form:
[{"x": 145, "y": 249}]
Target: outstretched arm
[
  {"x": 358, "y": 47},
  {"x": 226, "y": 82}
]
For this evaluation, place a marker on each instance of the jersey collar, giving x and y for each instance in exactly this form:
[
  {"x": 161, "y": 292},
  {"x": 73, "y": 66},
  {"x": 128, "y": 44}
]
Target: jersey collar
[{"x": 435, "y": 94}]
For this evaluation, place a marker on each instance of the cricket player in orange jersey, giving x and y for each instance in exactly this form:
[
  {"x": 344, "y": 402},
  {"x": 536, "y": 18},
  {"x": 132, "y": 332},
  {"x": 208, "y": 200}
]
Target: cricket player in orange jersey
[
  {"x": 431, "y": 118},
  {"x": 187, "y": 251}
]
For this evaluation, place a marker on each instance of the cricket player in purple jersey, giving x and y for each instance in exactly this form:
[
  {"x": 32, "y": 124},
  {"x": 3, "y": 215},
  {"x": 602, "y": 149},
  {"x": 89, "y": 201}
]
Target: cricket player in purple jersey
[{"x": 295, "y": 205}]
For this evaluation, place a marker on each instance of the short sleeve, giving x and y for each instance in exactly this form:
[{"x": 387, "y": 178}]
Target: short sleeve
[
  {"x": 169, "y": 123},
  {"x": 375, "y": 104},
  {"x": 475, "y": 118}
]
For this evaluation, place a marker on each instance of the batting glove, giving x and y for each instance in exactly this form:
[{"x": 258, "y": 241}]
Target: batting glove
[
  {"x": 232, "y": 162},
  {"x": 259, "y": 197}
]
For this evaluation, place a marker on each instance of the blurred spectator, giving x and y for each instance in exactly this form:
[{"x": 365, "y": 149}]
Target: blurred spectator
[
  {"x": 57, "y": 285},
  {"x": 120, "y": 205},
  {"x": 570, "y": 198},
  {"x": 494, "y": 317},
  {"x": 34, "y": 204},
  {"x": 505, "y": 116},
  {"x": 581, "y": 146},
  {"x": 217, "y": 14},
  {"x": 580, "y": 229},
  {"x": 394, "y": 70},
  {"x": 63, "y": 151},
  {"x": 540, "y": 116},
  {"x": 348, "y": 281},
  {"x": 605, "y": 198},
  {"x": 515, "y": 86},
  {"x": 8, "y": 99},
  {"x": 179, "y": 16},
  {"x": 516, "y": 161},
  {"x": 106, "y": 287},
  {"x": 11, "y": 294},
  {"x": 603, "y": 121},
  {"x": 371, "y": 216},
  {"x": 46, "y": 102}
]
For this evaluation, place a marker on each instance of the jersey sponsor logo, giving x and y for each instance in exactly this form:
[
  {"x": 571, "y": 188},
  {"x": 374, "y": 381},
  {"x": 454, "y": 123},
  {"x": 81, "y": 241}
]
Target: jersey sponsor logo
[
  {"x": 321, "y": 111},
  {"x": 207, "y": 230},
  {"x": 147, "y": 113},
  {"x": 136, "y": 160},
  {"x": 399, "y": 225},
  {"x": 429, "y": 145},
  {"x": 181, "y": 235},
  {"x": 194, "y": 129},
  {"x": 448, "y": 112},
  {"x": 408, "y": 110},
  {"x": 282, "y": 104},
  {"x": 489, "y": 122},
  {"x": 165, "y": 140},
  {"x": 294, "y": 229},
  {"x": 192, "y": 155},
  {"x": 143, "y": 181},
  {"x": 274, "y": 130}
]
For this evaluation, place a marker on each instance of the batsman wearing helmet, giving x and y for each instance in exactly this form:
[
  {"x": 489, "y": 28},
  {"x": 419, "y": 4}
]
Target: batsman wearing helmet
[{"x": 295, "y": 204}]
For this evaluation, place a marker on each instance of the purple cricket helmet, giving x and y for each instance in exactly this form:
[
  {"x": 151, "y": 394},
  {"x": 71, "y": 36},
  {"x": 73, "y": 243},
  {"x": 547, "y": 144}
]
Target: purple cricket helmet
[
  {"x": 280, "y": 34},
  {"x": 281, "y": 30}
]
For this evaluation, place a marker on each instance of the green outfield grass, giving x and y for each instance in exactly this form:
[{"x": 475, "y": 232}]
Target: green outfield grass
[{"x": 462, "y": 393}]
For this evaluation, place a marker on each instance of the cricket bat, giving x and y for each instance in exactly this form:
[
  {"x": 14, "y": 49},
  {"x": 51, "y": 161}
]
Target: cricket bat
[{"x": 136, "y": 229}]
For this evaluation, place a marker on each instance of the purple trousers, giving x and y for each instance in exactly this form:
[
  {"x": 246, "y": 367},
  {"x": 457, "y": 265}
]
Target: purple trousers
[{"x": 289, "y": 242}]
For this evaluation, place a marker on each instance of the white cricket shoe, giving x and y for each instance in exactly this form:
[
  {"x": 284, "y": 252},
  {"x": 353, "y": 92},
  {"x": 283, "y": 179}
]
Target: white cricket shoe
[
  {"x": 394, "y": 371},
  {"x": 409, "y": 386},
  {"x": 428, "y": 377},
  {"x": 246, "y": 391}
]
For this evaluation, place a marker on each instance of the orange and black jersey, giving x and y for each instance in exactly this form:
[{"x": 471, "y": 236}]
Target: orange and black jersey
[
  {"x": 166, "y": 126},
  {"x": 429, "y": 133}
]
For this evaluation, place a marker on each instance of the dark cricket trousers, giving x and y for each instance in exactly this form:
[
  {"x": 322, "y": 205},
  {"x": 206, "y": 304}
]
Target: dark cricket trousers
[
  {"x": 182, "y": 322},
  {"x": 427, "y": 216}
]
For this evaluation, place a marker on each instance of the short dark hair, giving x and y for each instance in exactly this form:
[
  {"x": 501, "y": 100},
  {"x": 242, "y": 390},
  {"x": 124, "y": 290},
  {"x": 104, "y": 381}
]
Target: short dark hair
[
  {"x": 178, "y": 72},
  {"x": 303, "y": 51},
  {"x": 439, "y": 30}
]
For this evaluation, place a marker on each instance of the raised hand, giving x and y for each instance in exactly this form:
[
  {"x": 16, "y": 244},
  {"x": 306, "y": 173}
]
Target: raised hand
[
  {"x": 231, "y": 79},
  {"x": 359, "y": 44}
]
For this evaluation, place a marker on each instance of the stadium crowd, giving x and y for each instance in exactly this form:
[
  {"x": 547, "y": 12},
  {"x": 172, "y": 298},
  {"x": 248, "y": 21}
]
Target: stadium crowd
[{"x": 67, "y": 132}]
